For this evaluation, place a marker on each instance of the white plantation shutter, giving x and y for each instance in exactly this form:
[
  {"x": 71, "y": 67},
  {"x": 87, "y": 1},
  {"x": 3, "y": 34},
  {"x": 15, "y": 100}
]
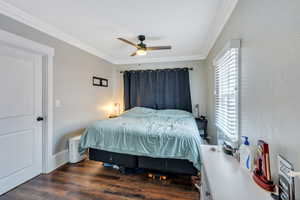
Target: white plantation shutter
[{"x": 226, "y": 92}]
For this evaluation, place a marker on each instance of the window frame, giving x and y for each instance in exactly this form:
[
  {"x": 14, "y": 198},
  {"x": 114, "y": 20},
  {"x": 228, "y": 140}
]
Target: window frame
[{"x": 233, "y": 44}]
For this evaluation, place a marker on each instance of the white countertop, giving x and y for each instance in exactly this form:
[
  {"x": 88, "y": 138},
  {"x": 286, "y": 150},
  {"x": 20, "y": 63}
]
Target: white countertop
[{"x": 227, "y": 180}]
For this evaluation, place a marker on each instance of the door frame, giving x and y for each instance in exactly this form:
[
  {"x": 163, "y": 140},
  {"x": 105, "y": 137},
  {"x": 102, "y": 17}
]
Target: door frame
[{"x": 47, "y": 54}]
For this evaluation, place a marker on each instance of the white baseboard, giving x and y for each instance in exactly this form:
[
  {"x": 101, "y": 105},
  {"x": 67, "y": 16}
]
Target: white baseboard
[{"x": 59, "y": 159}]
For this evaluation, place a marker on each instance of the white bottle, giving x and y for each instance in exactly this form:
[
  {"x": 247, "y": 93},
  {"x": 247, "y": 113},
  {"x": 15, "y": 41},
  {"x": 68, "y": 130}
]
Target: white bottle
[{"x": 246, "y": 157}]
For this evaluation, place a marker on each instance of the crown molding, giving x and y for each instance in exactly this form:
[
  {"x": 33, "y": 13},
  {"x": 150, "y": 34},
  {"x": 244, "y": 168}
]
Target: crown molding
[
  {"x": 141, "y": 60},
  {"x": 23, "y": 17},
  {"x": 12, "y": 39},
  {"x": 219, "y": 22}
]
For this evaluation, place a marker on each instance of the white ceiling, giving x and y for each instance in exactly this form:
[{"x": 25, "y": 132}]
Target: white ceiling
[{"x": 190, "y": 26}]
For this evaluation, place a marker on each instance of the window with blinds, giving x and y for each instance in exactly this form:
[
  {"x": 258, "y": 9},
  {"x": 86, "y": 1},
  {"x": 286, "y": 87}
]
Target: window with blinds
[{"x": 226, "y": 93}]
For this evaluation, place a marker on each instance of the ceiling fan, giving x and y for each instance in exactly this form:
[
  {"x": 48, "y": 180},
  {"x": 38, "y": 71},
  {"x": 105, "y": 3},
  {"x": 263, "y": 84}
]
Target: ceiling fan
[{"x": 142, "y": 47}]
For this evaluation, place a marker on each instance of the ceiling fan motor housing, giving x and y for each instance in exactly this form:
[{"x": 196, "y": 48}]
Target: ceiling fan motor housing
[
  {"x": 142, "y": 45},
  {"x": 141, "y": 38}
]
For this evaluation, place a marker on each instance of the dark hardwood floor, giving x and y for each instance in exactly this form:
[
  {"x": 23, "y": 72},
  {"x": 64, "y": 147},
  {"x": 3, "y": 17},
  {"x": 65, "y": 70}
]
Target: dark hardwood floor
[{"x": 88, "y": 180}]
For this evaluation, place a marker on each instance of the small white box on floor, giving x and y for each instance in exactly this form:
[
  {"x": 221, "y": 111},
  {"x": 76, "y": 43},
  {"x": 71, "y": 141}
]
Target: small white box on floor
[{"x": 74, "y": 156}]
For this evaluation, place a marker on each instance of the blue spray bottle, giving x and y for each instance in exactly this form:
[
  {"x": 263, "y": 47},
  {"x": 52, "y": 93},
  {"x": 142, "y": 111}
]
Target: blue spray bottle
[{"x": 246, "y": 155}]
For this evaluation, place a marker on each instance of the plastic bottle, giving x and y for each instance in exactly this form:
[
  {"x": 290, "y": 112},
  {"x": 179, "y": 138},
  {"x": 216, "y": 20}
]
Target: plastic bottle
[{"x": 246, "y": 155}]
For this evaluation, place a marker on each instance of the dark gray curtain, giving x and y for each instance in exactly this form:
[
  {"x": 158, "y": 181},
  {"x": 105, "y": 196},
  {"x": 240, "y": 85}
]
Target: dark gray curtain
[{"x": 158, "y": 89}]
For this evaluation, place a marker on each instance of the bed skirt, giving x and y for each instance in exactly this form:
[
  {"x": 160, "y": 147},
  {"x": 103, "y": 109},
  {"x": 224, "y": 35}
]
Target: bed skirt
[{"x": 166, "y": 165}]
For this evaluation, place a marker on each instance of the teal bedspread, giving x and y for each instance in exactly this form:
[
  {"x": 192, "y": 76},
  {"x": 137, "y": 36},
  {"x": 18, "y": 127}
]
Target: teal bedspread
[{"x": 147, "y": 132}]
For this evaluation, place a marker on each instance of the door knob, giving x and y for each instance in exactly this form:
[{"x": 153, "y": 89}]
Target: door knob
[
  {"x": 207, "y": 193},
  {"x": 40, "y": 119}
]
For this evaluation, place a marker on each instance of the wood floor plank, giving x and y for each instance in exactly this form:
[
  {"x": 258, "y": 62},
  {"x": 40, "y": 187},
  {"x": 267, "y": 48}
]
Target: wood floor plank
[{"x": 89, "y": 180}]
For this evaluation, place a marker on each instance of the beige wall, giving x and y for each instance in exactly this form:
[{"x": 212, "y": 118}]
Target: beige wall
[
  {"x": 270, "y": 74},
  {"x": 81, "y": 103},
  {"x": 198, "y": 81}
]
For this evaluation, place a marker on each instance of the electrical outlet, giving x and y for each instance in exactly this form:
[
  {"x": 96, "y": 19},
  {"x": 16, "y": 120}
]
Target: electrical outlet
[{"x": 57, "y": 103}]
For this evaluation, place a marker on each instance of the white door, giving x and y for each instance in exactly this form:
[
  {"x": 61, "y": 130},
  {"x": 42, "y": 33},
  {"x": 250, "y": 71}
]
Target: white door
[{"x": 20, "y": 105}]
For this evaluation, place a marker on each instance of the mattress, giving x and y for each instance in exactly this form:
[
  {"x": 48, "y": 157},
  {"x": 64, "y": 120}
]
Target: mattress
[{"x": 147, "y": 132}]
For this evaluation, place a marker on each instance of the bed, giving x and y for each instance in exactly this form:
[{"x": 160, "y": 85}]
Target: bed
[{"x": 162, "y": 140}]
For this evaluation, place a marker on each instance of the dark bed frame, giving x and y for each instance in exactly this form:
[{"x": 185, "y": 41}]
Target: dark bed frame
[{"x": 165, "y": 165}]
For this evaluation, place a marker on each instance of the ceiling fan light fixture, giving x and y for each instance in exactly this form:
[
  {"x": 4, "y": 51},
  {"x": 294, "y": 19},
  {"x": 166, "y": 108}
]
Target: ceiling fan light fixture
[{"x": 141, "y": 52}]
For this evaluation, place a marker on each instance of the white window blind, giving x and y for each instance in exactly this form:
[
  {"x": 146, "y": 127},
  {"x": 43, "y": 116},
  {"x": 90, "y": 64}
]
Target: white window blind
[{"x": 226, "y": 93}]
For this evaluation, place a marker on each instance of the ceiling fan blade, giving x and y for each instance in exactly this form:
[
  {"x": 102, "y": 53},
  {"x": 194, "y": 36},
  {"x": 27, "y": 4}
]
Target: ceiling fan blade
[
  {"x": 158, "y": 48},
  {"x": 134, "y": 54},
  {"x": 128, "y": 42}
]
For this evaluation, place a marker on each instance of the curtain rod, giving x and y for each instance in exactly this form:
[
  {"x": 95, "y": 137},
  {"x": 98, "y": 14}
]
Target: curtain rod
[{"x": 158, "y": 69}]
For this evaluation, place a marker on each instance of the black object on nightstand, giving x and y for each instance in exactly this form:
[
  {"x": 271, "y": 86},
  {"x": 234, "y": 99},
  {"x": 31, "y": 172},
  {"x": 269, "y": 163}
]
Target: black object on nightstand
[
  {"x": 202, "y": 125},
  {"x": 113, "y": 116}
]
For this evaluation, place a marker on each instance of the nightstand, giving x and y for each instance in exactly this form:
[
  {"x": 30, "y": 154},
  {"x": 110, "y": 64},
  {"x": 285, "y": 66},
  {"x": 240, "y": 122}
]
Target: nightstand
[{"x": 202, "y": 125}]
